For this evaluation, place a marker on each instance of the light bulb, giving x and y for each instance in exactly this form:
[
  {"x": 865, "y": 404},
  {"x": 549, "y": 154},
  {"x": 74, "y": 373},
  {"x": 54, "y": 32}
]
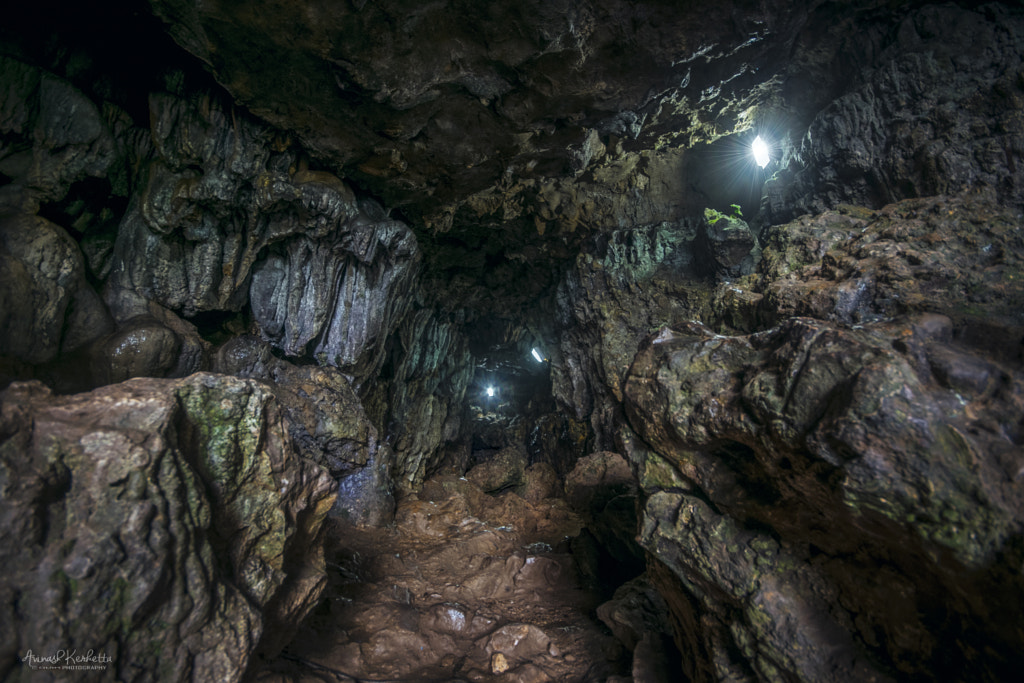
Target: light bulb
[{"x": 760, "y": 150}]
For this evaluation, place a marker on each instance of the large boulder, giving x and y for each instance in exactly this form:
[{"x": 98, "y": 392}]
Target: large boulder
[
  {"x": 167, "y": 526},
  {"x": 327, "y": 424},
  {"x": 48, "y": 306}
]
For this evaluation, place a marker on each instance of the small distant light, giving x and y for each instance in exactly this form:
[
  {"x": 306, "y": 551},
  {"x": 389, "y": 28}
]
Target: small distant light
[
  {"x": 536, "y": 354},
  {"x": 490, "y": 391},
  {"x": 760, "y": 150}
]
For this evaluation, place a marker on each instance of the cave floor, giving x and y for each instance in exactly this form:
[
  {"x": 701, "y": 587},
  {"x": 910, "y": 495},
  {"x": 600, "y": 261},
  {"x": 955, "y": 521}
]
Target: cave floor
[{"x": 464, "y": 586}]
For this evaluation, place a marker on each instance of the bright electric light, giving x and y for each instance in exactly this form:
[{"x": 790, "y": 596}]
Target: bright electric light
[
  {"x": 760, "y": 150},
  {"x": 536, "y": 354},
  {"x": 490, "y": 391}
]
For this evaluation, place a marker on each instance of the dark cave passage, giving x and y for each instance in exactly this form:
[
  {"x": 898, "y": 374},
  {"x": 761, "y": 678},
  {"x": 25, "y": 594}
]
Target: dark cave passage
[{"x": 467, "y": 341}]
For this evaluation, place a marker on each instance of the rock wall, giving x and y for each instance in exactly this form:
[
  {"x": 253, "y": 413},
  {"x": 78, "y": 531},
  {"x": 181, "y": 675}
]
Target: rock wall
[
  {"x": 432, "y": 371},
  {"x": 829, "y": 463},
  {"x": 167, "y": 525},
  {"x": 933, "y": 105},
  {"x": 199, "y": 239}
]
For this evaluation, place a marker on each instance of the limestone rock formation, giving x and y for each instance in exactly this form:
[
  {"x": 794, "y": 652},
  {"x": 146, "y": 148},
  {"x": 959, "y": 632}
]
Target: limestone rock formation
[
  {"x": 44, "y": 150},
  {"x": 327, "y": 424},
  {"x": 937, "y": 110},
  {"x": 420, "y": 395},
  {"x": 728, "y": 245},
  {"x": 804, "y": 430},
  {"x": 48, "y": 306},
  {"x": 325, "y": 274},
  {"x": 168, "y": 525},
  {"x": 887, "y": 426}
]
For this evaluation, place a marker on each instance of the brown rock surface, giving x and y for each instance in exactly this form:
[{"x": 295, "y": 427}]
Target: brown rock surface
[
  {"x": 840, "y": 495},
  {"x": 466, "y": 586},
  {"x": 168, "y": 525}
]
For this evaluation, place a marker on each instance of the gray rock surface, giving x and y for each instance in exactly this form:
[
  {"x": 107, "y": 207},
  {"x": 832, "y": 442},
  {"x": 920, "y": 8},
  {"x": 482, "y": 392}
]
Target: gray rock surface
[
  {"x": 883, "y": 425},
  {"x": 53, "y": 136},
  {"x": 937, "y": 109},
  {"x": 48, "y": 306},
  {"x": 421, "y": 399}
]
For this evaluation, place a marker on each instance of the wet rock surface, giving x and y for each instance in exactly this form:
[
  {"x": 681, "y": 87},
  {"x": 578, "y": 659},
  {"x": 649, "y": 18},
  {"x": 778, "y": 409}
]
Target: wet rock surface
[
  {"x": 883, "y": 427},
  {"x": 327, "y": 424},
  {"x": 466, "y": 586},
  {"x": 935, "y": 110},
  {"x": 375, "y": 211},
  {"x": 167, "y": 524}
]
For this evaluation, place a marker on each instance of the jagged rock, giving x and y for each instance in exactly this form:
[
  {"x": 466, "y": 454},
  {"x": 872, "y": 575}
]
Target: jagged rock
[
  {"x": 48, "y": 306},
  {"x": 435, "y": 133},
  {"x": 325, "y": 275},
  {"x": 540, "y": 482},
  {"x": 635, "y": 611},
  {"x": 602, "y": 490},
  {"x": 327, "y": 424},
  {"x": 597, "y": 480},
  {"x": 937, "y": 110},
  {"x": 606, "y": 306},
  {"x": 167, "y": 524},
  {"x": 44, "y": 148},
  {"x": 803, "y": 431},
  {"x": 955, "y": 256},
  {"x": 421, "y": 398},
  {"x": 729, "y": 247},
  {"x": 340, "y": 297},
  {"x": 502, "y": 470}
]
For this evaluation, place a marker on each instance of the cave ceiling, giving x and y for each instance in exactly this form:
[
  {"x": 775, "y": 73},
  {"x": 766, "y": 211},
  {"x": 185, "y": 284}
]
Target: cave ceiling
[
  {"x": 510, "y": 135},
  {"x": 507, "y": 133}
]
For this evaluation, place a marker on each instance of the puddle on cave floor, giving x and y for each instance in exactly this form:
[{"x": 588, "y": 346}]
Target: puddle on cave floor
[{"x": 464, "y": 586}]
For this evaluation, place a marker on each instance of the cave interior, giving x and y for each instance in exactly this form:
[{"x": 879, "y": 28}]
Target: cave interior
[{"x": 632, "y": 341}]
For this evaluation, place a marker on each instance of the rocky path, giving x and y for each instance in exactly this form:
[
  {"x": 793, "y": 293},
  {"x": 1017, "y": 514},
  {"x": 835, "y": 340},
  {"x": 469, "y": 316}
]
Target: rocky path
[{"x": 464, "y": 586}]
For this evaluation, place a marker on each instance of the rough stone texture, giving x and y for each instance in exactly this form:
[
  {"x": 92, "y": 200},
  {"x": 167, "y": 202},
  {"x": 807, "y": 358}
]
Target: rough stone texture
[
  {"x": 603, "y": 491},
  {"x": 464, "y": 586},
  {"x": 532, "y": 90},
  {"x": 787, "y": 464},
  {"x": 540, "y": 481},
  {"x": 502, "y": 470},
  {"x": 728, "y": 245},
  {"x": 608, "y": 303},
  {"x": 111, "y": 360},
  {"x": 44, "y": 149},
  {"x": 420, "y": 396},
  {"x": 554, "y": 159},
  {"x": 338, "y": 298},
  {"x": 327, "y": 424},
  {"x": 937, "y": 108},
  {"x": 48, "y": 306},
  {"x": 167, "y": 524},
  {"x": 635, "y": 611},
  {"x": 225, "y": 214}
]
